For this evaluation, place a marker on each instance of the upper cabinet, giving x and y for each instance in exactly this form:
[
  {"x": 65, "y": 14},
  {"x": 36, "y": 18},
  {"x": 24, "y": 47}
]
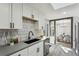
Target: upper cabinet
[
  {"x": 10, "y": 16},
  {"x": 17, "y": 15},
  {"x": 4, "y": 16}
]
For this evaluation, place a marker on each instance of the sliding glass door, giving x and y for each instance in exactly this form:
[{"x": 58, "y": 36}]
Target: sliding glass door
[{"x": 61, "y": 31}]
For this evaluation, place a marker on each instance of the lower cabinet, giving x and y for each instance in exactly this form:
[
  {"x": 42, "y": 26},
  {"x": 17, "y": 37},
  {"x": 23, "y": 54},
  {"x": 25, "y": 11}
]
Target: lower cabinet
[
  {"x": 34, "y": 50},
  {"x": 21, "y": 53}
]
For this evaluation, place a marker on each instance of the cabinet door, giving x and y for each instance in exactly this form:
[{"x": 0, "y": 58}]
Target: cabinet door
[
  {"x": 32, "y": 50},
  {"x": 40, "y": 49},
  {"x": 4, "y": 16},
  {"x": 17, "y": 15},
  {"x": 21, "y": 53},
  {"x": 36, "y": 50}
]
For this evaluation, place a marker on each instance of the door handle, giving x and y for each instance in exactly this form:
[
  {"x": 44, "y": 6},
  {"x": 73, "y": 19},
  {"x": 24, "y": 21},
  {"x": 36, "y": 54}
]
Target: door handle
[
  {"x": 13, "y": 25},
  {"x": 10, "y": 25},
  {"x": 37, "y": 49}
]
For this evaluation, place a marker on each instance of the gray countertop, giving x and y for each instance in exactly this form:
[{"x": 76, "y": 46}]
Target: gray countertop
[{"x": 8, "y": 50}]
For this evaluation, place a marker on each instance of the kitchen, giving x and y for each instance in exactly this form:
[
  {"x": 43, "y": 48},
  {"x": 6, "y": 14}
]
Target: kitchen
[
  {"x": 20, "y": 33},
  {"x": 25, "y": 28}
]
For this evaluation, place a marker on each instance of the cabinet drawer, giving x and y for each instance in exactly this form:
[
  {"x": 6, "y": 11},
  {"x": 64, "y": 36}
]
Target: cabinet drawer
[{"x": 20, "y": 53}]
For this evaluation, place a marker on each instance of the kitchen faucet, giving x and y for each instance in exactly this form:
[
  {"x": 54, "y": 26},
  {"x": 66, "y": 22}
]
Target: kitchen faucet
[{"x": 29, "y": 34}]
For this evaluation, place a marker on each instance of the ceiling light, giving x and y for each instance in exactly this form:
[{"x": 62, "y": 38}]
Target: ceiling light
[{"x": 64, "y": 13}]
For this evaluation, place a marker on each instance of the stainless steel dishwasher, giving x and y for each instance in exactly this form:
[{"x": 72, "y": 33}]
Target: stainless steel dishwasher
[{"x": 46, "y": 46}]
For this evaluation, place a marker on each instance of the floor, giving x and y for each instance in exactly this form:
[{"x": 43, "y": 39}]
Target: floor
[{"x": 58, "y": 50}]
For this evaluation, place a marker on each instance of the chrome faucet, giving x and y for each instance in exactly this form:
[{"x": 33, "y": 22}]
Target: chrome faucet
[{"x": 29, "y": 34}]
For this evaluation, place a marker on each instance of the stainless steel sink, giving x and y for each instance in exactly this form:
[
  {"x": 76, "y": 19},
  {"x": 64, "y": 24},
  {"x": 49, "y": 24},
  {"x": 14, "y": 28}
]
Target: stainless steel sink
[{"x": 31, "y": 41}]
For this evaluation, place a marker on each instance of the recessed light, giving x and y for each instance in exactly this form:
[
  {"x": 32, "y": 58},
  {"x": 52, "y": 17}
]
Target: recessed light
[{"x": 64, "y": 13}]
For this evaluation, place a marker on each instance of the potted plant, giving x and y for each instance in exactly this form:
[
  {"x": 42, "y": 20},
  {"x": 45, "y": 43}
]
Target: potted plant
[{"x": 11, "y": 41}]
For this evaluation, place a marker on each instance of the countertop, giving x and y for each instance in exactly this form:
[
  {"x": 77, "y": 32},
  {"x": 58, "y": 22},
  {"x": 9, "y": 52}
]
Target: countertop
[{"x": 8, "y": 50}]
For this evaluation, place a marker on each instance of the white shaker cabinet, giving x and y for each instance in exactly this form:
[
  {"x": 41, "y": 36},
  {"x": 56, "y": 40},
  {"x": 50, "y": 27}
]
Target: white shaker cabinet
[
  {"x": 10, "y": 16},
  {"x": 36, "y": 50},
  {"x": 23, "y": 52},
  {"x": 17, "y": 15},
  {"x": 4, "y": 16}
]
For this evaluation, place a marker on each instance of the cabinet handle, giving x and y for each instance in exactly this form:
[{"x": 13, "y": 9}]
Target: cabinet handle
[
  {"x": 13, "y": 25},
  {"x": 37, "y": 49},
  {"x": 10, "y": 25},
  {"x": 19, "y": 54}
]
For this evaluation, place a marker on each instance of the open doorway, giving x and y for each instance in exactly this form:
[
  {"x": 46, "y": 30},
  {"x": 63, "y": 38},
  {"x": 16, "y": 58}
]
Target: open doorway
[{"x": 62, "y": 31}]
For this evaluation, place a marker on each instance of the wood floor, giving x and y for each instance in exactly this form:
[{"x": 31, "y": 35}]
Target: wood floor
[{"x": 57, "y": 50}]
